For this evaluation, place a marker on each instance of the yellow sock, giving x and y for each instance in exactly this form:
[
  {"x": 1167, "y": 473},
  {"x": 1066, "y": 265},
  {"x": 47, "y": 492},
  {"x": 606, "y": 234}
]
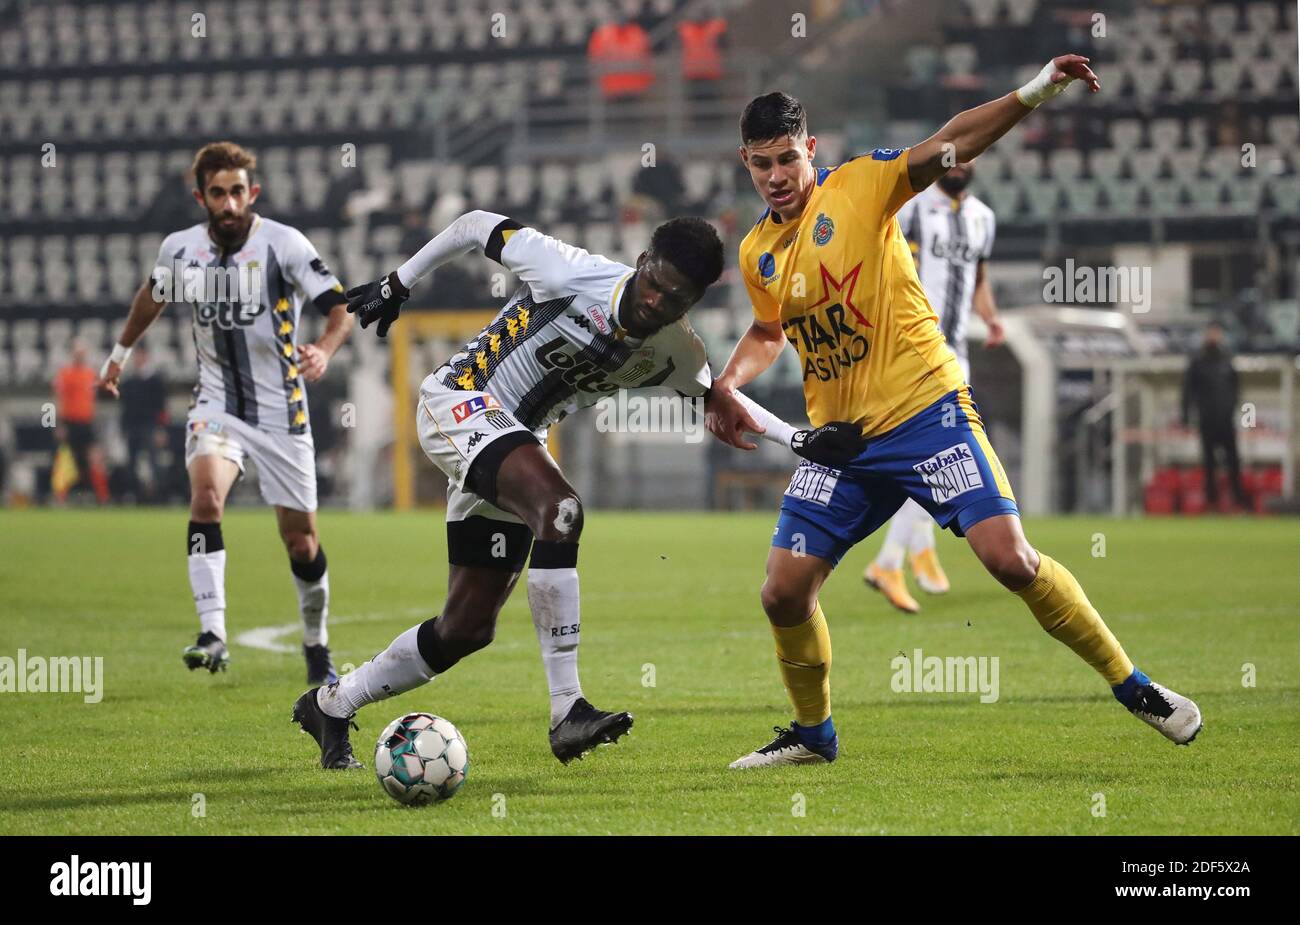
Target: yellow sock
[
  {"x": 1065, "y": 612},
  {"x": 804, "y": 654}
]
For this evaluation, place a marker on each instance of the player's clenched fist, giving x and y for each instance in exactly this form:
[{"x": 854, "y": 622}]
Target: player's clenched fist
[
  {"x": 378, "y": 301},
  {"x": 835, "y": 444}
]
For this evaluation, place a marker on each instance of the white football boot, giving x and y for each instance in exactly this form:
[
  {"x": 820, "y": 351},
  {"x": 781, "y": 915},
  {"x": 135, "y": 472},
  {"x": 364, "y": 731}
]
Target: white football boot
[
  {"x": 1174, "y": 716},
  {"x": 786, "y": 748}
]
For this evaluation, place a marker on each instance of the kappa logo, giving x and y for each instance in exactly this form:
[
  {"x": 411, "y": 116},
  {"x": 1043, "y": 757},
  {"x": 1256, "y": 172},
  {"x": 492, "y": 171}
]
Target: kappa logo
[
  {"x": 475, "y": 439},
  {"x": 468, "y": 409},
  {"x": 319, "y": 266},
  {"x": 581, "y": 322},
  {"x": 950, "y": 472}
]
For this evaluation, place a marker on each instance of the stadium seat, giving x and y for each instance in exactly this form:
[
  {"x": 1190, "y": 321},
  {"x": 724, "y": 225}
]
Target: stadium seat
[
  {"x": 1082, "y": 196},
  {"x": 1261, "y": 18},
  {"x": 1065, "y": 164},
  {"x": 1165, "y": 196}
]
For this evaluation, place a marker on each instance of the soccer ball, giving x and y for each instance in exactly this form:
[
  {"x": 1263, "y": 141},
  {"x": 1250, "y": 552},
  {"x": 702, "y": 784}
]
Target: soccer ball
[{"x": 421, "y": 758}]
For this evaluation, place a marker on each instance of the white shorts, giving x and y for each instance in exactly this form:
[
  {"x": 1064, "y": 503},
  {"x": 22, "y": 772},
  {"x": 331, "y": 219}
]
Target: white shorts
[
  {"x": 286, "y": 463},
  {"x": 455, "y": 426}
]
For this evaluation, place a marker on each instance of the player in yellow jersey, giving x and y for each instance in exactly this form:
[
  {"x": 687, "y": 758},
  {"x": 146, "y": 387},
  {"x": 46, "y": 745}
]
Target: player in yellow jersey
[{"x": 828, "y": 270}]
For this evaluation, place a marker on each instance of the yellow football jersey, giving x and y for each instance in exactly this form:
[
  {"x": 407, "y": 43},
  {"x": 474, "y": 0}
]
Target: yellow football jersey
[{"x": 843, "y": 284}]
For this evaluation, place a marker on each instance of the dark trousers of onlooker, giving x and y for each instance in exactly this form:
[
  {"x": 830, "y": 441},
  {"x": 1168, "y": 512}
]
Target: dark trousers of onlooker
[
  {"x": 141, "y": 443},
  {"x": 1221, "y": 437},
  {"x": 81, "y": 437}
]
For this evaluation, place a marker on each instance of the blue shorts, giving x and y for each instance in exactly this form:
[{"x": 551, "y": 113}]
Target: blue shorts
[{"x": 940, "y": 457}]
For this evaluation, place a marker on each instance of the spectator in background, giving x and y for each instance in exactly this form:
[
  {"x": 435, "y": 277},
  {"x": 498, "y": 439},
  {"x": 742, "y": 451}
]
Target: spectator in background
[
  {"x": 415, "y": 231},
  {"x": 661, "y": 183},
  {"x": 74, "y": 389},
  {"x": 702, "y": 52},
  {"x": 619, "y": 54},
  {"x": 1211, "y": 385},
  {"x": 144, "y": 422}
]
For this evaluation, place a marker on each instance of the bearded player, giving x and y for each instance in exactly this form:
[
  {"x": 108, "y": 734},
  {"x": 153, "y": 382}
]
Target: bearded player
[
  {"x": 828, "y": 269},
  {"x": 250, "y": 400},
  {"x": 579, "y": 328}
]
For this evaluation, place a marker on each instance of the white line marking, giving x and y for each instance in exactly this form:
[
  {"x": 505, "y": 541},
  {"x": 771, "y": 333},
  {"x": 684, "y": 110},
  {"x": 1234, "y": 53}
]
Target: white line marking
[{"x": 267, "y": 638}]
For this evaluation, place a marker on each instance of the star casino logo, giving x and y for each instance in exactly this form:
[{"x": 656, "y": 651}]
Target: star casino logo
[{"x": 826, "y": 336}]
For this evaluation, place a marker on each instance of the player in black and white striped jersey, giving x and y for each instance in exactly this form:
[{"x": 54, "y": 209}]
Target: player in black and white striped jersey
[
  {"x": 581, "y": 327},
  {"x": 951, "y": 233},
  {"x": 245, "y": 280}
]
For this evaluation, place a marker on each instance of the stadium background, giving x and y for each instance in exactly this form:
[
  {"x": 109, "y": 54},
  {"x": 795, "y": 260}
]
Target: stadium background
[{"x": 377, "y": 122}]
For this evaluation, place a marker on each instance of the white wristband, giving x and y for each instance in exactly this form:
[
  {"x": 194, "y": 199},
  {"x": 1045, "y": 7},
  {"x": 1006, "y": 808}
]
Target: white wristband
[
  {"x": 1041, "y": 89},
  {"x": 774, "y": 429},
  {"x": 120, "y": 354}
]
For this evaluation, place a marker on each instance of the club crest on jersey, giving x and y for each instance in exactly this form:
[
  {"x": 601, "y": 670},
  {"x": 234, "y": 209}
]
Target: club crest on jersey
[
  {"x": 823, "y": 230},
  {"x": 950, "y": 472},
  {"x": 767, "y": 267},
  {"x": 468, "y": 409},
  {"x": 643, "y": 360}
]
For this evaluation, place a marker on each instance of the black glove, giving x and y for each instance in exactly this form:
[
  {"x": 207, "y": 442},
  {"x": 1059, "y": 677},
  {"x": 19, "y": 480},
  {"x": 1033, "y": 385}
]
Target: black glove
[
  {"x": 835, "y": 444},
  {"x": 378, "y": 301}
]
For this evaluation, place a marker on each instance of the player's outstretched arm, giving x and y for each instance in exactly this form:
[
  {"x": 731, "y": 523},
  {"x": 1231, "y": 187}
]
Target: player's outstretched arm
[
  {"x": 835, "y": 444},
  {"x": 144, "y": 309},
  {"x": 757, "y": 349},
  {"x": 967, "y": 134},
  {"x": 382, "y": 300}
]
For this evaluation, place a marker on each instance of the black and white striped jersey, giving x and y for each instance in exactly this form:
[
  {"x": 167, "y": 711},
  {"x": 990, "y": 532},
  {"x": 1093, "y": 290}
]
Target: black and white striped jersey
[
  {"x": 557, "y": 347},
  {"x": 246, "y": 305},
  {"x": 949, "y": 239}
]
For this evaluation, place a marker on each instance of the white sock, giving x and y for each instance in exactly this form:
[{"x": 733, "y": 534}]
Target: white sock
[
  {"x": 890, "y": 557},
  {"x": 208, "y": 582},
  {"x": 922, "y": 531},
  {"x": 314, "y": 605},
  {"x": 396, "y": 670},
  {"x": 553, "y": 597}
]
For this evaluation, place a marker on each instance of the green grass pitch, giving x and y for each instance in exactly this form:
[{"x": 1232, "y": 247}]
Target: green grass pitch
[{"x": 670, "y": 599}]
